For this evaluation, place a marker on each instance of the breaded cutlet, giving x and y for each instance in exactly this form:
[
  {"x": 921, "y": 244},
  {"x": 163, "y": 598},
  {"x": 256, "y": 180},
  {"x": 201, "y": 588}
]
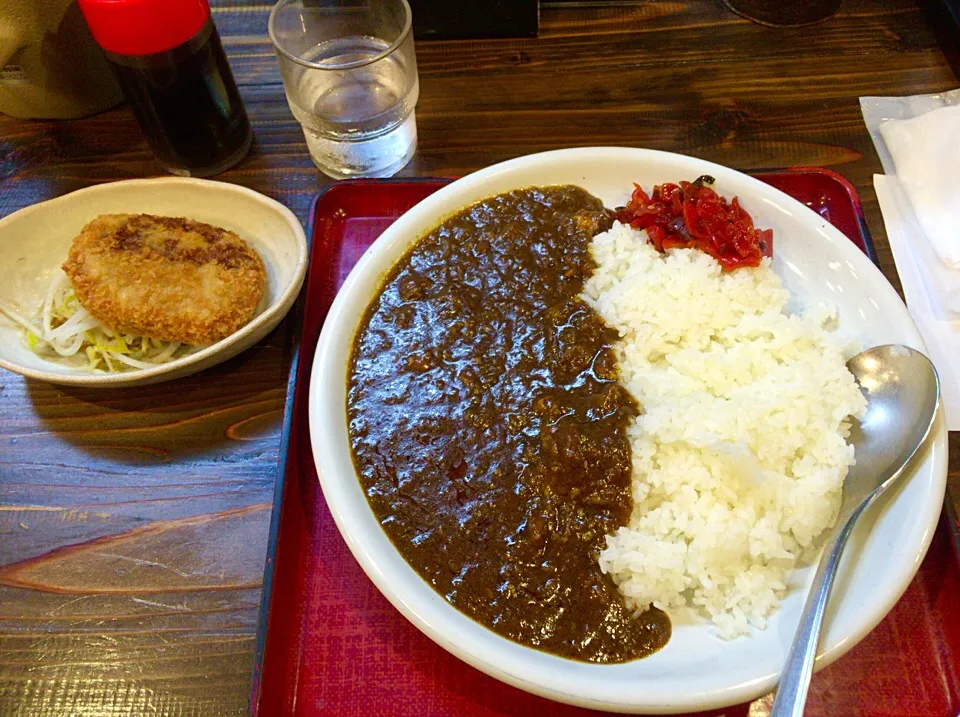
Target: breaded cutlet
[{"x": 168, "y": 278}]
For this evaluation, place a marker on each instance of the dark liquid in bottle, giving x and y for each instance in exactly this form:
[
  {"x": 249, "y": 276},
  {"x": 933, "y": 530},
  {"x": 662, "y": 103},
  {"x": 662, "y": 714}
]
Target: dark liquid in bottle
[{"x": 187, "y": 104}]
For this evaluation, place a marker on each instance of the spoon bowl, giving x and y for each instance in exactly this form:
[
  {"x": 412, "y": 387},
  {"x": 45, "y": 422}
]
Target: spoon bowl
[{"x": 903, "y": 392}]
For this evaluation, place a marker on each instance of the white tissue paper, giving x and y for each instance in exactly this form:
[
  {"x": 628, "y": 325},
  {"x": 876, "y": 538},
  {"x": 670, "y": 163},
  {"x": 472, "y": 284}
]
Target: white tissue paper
[
  {"x": 918, "y": 140},
  {"x": 941, "y": 336},
  {"x": 926, "y": 154}
]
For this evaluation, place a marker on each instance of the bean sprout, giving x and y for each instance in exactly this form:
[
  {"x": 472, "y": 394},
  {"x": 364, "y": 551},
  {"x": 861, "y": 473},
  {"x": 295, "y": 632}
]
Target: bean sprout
[{"x": 68, "y": 332}]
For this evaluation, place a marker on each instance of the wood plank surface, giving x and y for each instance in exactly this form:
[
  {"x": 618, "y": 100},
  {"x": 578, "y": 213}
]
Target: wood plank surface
[{"x": 133, "y": 524}]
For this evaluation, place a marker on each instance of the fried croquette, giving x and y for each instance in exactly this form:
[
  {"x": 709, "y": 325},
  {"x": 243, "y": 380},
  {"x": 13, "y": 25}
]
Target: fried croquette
[{"x": 167, "y": 278}]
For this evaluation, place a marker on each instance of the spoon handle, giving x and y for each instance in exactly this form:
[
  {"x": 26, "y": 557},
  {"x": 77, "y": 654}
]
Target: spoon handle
[{"x": 798, "y": 669}]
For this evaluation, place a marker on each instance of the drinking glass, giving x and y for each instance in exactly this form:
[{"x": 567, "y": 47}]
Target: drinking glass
[
  {"x": 350, "y": 75},
  {"x": 785, "y": 13}
]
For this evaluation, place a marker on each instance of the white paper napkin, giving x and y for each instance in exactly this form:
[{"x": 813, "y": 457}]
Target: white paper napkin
[
  {"x": 942, "y": 336},
  {"x": 918, "y": 140},
  {"x": 926, "y": 154}
]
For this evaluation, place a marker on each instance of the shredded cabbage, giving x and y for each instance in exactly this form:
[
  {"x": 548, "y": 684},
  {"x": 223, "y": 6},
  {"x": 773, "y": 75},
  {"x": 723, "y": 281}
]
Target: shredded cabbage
[{"x": 67, "y": 331}]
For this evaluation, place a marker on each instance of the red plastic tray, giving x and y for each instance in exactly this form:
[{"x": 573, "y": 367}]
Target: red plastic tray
[{"x": 330, "y": 644}]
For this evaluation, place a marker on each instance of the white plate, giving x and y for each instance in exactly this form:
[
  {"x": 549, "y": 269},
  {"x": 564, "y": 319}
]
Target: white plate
[
  {"x": 34, "y": 243},
  {"x": 696, "y": 670}
]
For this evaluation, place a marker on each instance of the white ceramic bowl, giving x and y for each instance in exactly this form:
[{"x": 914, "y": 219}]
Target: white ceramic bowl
[
  {"x": 696, "y": 670},
  {"x": 34, "y": 243}
]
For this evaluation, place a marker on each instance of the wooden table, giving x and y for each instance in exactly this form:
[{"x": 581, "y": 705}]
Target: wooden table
[{"x": 133, "y": 523}]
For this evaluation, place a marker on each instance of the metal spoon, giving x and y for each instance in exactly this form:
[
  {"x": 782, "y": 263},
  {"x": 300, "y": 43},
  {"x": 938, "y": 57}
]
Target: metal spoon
[{"x": 902, "y": 392}]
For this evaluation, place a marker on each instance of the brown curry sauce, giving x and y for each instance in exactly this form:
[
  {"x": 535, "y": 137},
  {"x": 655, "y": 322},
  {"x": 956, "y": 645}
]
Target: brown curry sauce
[{"x": 489, "y": 430}]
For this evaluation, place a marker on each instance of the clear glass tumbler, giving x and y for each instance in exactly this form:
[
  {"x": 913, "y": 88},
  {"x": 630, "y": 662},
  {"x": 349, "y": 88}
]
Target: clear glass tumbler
[{"x": 350, "y": 74}]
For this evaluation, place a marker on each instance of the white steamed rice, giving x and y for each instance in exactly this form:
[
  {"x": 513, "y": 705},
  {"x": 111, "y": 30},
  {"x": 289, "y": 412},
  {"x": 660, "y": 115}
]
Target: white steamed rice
[{"x": 739, "y": 453}]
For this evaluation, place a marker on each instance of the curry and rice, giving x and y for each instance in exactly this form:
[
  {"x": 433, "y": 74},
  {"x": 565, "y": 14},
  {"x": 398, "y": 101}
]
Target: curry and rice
[{"x": 570, "y": 420}]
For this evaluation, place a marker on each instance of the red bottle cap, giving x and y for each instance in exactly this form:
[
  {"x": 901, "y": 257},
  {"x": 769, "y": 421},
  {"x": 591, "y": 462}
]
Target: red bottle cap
[{"x": 143, "y": 27}]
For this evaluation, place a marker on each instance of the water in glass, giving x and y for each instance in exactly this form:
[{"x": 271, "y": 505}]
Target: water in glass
[{"x": 358, "y": 121}]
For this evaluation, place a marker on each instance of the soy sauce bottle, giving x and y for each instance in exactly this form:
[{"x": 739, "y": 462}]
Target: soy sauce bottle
[{"x": 167, "y": 57}]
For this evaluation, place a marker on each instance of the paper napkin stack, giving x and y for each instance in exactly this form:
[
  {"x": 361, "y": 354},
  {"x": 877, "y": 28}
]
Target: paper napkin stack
[{"x": 918, "y": 140}]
